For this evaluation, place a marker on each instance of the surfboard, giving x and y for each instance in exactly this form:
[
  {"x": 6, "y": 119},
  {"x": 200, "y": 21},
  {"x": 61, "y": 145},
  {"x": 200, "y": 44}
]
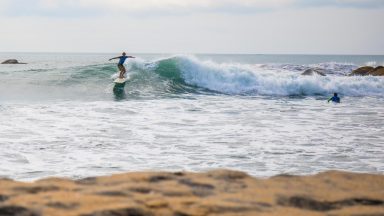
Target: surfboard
[
  {"x": 119, "y": 85},
  {"x": 120, "y": 80}
]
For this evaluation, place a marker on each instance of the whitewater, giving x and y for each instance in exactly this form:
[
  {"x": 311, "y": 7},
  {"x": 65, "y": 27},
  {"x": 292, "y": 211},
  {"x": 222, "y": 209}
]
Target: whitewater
[{"x": 255, "y": 113}]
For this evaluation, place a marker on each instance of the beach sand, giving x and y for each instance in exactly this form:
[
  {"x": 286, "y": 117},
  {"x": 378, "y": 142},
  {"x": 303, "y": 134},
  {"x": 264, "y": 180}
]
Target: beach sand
[{"x": 220, "y": 192}]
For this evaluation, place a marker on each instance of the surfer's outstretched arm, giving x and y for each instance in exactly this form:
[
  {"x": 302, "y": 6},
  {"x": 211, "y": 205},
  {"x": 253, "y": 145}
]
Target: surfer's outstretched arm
[
  {"x": 114, "y": 58},
  {"x": 131, "y": 56}
]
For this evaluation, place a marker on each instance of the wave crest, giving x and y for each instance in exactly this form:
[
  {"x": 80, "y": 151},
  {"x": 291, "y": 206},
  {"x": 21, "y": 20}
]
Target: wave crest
[{"x": 233, "y": 78}]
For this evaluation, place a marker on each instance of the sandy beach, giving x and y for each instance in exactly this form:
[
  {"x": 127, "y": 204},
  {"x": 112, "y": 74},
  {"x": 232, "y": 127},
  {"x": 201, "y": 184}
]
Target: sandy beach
[{"x": 220, "y": 192}]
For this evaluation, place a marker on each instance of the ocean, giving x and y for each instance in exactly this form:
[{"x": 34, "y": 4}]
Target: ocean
[{"x": 254, "y": 113}]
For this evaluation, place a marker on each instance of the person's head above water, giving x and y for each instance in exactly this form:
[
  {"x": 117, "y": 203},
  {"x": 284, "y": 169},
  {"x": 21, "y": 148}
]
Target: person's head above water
[
  {"x": 124, "y": 54},
  {"x": 335, "y": 94}
]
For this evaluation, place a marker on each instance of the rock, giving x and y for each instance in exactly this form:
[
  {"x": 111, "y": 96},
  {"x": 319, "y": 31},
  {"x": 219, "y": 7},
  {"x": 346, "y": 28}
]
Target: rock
[
  {"x": 367, "y": 70},
  {"x": 362, "y": 71},
  {"x": 314, "y": 71},
  {"x": 378, "y": 71},
  {"x": 11, "y": 61}
]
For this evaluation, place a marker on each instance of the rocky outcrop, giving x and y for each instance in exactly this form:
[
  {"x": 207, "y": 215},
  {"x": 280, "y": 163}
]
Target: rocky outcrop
[
  {"x": 378, "y": 71},
  {"x": 314, "y": 71},
  {"x": 220, "y": 192},
  {"x": 368, "y": 71},
  {"x": 12, "y": 61}
]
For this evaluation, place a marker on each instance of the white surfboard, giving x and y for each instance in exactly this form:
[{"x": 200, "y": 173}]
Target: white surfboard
[{"x": 120, "y": 80}]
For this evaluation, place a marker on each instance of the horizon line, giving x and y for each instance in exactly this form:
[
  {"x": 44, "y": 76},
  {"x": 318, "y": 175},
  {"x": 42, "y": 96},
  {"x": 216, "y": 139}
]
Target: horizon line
[{"x": 190, "y": 53}]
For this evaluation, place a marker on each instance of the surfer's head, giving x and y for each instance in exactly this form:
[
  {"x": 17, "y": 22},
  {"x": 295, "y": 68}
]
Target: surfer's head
[
  {"x": 335, "y": 94},
  {"x": 124, "y": 54}
]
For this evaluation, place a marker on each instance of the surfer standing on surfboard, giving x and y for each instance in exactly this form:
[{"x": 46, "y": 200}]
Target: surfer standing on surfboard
[{"x": 120, "y": 65}]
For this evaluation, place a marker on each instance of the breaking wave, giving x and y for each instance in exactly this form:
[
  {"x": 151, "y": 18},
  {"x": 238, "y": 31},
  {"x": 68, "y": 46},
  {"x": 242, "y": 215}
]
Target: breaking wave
[
  {"x": 246, "y": 79},
  {"x": 188, "y": 74}
]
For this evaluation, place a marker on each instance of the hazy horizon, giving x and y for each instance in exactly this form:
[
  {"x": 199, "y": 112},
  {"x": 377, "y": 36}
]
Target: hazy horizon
[
  {"x": 332, "y": 27},
  {"x": 159, "y": 53}
]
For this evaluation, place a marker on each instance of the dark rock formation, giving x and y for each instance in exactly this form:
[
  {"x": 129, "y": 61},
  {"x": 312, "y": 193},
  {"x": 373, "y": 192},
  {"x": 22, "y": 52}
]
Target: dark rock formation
[
  {"x": 12, "y": 61},
  {"x": 368, "y": 71},
  {"x": 314, "y": 71},
  {"x": 378, "y": 71},
  {"x": 362, "y": 71}
]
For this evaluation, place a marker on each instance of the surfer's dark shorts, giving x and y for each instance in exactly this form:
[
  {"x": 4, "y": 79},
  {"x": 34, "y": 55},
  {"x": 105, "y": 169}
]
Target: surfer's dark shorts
[{"x": 121, "y": 67}]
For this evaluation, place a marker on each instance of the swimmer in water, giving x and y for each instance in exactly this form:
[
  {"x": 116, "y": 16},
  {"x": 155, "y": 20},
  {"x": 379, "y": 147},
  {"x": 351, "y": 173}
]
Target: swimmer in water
[{"x": 334, "y": 99}]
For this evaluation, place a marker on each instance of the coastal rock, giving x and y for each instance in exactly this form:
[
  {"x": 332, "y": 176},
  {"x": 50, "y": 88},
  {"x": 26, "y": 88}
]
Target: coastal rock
[
  {"x": 368, "y": 71},
  {"x": 362, "y": 71},
  {"x": 314, "y": 71},
  {"x": 378, "y": 71},
  {"x": 12, "y": 61},
  {"x": 221, "y": 192}
]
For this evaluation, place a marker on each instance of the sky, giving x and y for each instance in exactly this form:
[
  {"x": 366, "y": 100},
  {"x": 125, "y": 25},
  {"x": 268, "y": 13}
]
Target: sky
[{"x": 193, "y": 26}]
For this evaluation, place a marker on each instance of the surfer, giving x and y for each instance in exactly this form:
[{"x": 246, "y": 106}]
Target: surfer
[
  {"x": 334, "y": 99},
  {"x": 120, "y": 65}
]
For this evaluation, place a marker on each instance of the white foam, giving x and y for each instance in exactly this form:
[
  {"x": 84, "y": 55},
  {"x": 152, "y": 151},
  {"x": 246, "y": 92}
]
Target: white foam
[
  {"x": 260, "y": 136},
  {"x": 371, "y": 63},
  {"x": 336, "y": 68},
  {"x": 115, "y": 75},
  {"x": 245, "y": 79}
]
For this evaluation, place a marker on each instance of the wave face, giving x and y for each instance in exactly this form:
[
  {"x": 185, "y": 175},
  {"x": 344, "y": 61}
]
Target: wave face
[
  {"x": 279, "y": 80},
  {"x": 188, "y": 74}
]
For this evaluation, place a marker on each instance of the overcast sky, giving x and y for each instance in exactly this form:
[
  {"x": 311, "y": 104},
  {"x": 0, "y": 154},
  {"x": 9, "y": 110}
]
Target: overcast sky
[{"x": 193, "y": 26}]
